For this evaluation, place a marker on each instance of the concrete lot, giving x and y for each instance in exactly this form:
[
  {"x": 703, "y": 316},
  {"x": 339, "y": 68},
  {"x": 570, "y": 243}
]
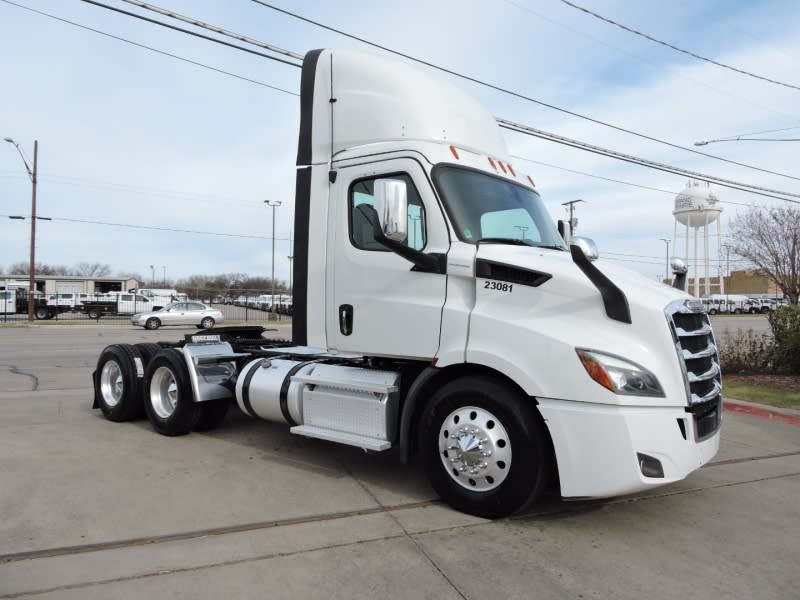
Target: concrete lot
[{"x": 94, "y": 509}]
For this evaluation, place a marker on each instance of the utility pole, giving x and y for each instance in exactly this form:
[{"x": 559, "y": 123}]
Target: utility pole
[
  {"x": 666, "y": 262},
  {"x": 32, "y": 266},
  {"x": 273, "y": 204},
  {"x": 571, "y": 205}
]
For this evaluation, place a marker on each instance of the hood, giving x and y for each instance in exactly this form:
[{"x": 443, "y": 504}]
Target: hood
[{"x": 554, "y": 308}]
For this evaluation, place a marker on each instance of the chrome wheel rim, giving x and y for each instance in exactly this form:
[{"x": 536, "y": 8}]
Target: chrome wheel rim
[
  {"x": 475, "y": 448},
  {"x": 111, "y": 383},
  {"x": 163, "y": 392}
]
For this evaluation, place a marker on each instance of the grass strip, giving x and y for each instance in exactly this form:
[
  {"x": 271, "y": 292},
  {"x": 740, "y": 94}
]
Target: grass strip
[{"x": 769, "y": 394}]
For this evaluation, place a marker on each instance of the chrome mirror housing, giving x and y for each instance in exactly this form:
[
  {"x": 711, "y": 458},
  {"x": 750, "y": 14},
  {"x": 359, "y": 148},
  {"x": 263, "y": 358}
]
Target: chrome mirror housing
[
  {"x": 678, "y": 265},
  {"x": 587, "y": 246},
  {"x": 391, "y": 204}
]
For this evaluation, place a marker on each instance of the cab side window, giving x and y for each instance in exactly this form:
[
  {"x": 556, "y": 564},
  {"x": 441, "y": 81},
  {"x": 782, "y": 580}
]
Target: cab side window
[{"x": 361, "y": 195}]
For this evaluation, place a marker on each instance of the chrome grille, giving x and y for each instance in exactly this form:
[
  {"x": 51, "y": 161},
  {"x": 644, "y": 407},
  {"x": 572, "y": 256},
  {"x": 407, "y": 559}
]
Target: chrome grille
[{"x": 699, "y": 359}]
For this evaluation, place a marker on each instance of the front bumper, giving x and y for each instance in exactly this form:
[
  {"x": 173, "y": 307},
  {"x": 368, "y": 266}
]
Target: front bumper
[{"x": 597, "y": 445}]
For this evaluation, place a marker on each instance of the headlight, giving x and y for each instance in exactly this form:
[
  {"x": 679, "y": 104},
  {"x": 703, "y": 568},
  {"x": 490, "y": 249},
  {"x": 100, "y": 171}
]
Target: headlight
[{"x": 619, "y": 375}]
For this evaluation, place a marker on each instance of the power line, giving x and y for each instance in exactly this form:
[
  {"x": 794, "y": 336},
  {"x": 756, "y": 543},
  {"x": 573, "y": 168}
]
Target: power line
[
  {"x": 225, "y": 32},
  {"x": 641, "y": 59},
  {"x": 516, "y": 94},
  {"x": 514, "y": 126},
  {"x": 623, "y": 182},
  {"x": 249, "y": 40},
  {"x": 169, "y": 229},
  {"x": 677, "y": 49},
  {"x": 532, "y": 131},
  {"x": 162, "y": 52},
  {"x": 188, "y": 32}
]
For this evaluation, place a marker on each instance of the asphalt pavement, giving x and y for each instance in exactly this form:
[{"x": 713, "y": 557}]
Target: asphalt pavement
[{"x": 94, "y": 509}]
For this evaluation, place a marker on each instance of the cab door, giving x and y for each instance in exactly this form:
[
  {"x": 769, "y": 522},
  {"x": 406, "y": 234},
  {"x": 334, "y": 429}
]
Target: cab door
[{"x": 377, "y": 303}]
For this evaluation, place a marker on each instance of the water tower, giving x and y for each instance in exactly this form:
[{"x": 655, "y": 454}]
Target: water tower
[{"x": 697, "y": 207}]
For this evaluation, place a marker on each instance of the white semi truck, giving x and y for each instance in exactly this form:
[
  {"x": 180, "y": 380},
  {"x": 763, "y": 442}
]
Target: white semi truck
[{"x": 439, "y": 312}]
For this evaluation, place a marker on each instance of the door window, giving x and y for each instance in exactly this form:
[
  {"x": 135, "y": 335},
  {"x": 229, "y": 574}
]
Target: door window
[{"x": 361, "y": 195}]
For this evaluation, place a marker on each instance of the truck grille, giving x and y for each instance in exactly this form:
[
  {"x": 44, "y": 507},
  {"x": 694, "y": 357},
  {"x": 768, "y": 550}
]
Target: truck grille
[{"x": 697, "y": 351}]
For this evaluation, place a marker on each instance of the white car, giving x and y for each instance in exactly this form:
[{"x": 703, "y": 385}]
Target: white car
[{"x": 180, "y": 313}]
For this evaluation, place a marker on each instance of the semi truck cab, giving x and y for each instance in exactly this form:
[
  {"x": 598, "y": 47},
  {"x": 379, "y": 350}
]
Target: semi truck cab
[{"x": 438, "y": 310}]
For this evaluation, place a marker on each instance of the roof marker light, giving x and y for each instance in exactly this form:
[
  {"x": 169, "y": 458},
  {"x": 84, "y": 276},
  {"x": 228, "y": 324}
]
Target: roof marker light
[
  {"x": 454, "y": 152},
  {"x": 491, "y": 162},
  {"x": 502, "y": 166},
  {"x": 531, "y": 180},
  {"x": 510, "y": 168}
]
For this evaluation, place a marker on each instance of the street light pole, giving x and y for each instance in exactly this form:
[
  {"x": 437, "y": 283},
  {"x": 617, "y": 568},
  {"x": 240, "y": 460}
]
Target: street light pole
[
  {"x": 32, "y": 175},
  {"x": 666, "y": 262},
  {"x": 273, "y": 204},
  {"x": 290, "y": 274}
]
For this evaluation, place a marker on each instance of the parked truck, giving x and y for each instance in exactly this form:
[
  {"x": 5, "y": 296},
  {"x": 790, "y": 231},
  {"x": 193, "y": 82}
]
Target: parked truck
[
  {"x": 117, "y": 303},
  {"x": 439, "y": 312},
  {"x": 160, "y": 297},
  {"x": 14, "y": 300}
]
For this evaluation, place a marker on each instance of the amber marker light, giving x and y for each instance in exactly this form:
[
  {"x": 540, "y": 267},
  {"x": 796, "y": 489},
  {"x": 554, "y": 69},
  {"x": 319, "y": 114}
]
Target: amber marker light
[
  {"x": 454, "y": 152},
  {"x": 596, "y": 370}
]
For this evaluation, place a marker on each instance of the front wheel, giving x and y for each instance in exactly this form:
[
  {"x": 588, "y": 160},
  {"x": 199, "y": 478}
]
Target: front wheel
[
  {"x": 152, "y": 323},
  {"x": 168, "y": 398},
  {"x": 485, "y": 447},
  {"x": 42, "y": 313}
]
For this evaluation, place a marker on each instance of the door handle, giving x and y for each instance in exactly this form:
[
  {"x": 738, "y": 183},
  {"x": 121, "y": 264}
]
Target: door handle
[{"x": 346, "y": 319}]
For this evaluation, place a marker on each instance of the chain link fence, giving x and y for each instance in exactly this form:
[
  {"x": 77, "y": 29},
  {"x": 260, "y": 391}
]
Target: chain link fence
[{"x": 238, "y": 306}]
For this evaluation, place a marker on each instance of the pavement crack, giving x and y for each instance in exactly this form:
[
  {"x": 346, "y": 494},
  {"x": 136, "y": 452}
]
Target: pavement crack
[
  {"x": 406, "y": 534},
  {"x": 14, "y": 370}
]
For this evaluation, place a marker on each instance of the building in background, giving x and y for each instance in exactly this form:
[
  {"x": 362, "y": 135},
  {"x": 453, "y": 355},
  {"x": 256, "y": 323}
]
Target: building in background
[{"x": 63, "y": 284}]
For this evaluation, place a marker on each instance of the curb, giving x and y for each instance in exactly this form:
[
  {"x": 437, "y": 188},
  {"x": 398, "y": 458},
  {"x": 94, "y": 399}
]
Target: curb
[{"x": 769, "y": 413}]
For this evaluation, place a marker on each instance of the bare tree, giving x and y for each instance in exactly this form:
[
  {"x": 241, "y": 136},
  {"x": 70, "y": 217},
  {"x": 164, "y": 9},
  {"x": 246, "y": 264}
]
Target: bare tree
[
  {"x": 85, "y": 269},
  {"x": 770, "y": 239}
]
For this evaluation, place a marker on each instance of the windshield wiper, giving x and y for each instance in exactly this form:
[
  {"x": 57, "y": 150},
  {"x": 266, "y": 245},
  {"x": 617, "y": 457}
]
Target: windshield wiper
[
  {"x": 500, "y": 240},
  {"x": 551, "y": 247}
]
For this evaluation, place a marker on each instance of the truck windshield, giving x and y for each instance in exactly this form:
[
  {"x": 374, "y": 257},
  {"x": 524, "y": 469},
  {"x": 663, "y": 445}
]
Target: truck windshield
[{"x": 484, "y": 207}]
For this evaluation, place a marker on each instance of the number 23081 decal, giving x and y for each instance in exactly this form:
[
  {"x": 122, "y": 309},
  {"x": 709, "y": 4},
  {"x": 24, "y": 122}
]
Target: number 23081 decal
[{"x": 498, "y": 286}]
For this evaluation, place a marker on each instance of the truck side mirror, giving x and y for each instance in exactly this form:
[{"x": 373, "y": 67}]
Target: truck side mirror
[
  {"x": 391, "y": 203},
  {"x": 587, "y": 246},
  {"x": 679, "y": 269}
]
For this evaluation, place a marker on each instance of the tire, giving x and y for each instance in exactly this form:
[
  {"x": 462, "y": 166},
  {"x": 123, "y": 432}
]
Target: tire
[
  {"x": 212, "y": 414},
  {"x": 42, "y": 313},
  {"x": 712, "y": 311},
  {"x": 752, "y": 311},
  {"x": 118, "y": 383},
  {"x": 94, "y": 313},
  {"x": 168, "y": 399},
  {"x": 147, "y": 351},
  {"x": 737, "y": 311},
  {"x": 152, "y": 323},
  {"x": 518, "y": 465},
  {"x": 207, "y": 323}
]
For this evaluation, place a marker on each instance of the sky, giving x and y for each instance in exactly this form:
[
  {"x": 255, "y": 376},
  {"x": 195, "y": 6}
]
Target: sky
[{"x": 160, "y": 167}]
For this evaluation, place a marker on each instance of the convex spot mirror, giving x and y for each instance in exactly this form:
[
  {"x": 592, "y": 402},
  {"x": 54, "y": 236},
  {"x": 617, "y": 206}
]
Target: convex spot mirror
[{"x": 391, "y": 203}]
